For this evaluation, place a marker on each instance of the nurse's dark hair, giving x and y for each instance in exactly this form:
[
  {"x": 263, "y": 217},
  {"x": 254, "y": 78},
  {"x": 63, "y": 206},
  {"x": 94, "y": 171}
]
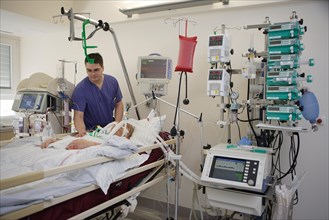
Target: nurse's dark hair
[{"x": 98, "y": 59}]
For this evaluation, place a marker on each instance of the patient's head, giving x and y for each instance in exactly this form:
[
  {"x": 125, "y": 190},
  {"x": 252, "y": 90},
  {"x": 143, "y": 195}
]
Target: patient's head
[{"x": 126, "y": 131}]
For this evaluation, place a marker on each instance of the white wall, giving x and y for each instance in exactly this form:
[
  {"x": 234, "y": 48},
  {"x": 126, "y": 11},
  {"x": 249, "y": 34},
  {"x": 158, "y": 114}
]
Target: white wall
[{"x": 41, "y": 54}]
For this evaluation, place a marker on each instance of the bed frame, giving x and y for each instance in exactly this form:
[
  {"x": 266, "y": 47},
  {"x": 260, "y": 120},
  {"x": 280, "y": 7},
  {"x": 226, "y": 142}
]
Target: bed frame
[{"x": 90, "y": 201}]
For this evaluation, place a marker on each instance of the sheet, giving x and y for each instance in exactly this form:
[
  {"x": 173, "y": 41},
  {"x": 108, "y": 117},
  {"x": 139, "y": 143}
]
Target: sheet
[{"x": 26, "y": 156}]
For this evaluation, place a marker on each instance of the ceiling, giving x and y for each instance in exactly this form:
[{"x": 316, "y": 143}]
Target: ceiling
[
  {"x": 31, "y": 17},
  {"x": 25, "y": 17}
]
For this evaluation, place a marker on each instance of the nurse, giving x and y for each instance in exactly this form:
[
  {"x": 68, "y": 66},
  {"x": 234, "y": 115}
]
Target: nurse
[{"x": 96, "y": 97}]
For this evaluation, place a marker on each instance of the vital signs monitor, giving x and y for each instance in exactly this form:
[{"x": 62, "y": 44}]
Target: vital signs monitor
[{"x": 154, "y": 74}]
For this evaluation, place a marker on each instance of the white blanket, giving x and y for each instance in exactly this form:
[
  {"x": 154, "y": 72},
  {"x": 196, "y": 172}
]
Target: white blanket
[{"x": 26, "y": 157}]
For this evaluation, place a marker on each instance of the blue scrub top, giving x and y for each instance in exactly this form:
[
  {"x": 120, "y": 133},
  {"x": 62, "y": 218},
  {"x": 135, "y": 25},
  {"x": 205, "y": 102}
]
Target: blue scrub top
[{"x": 97, "y": 104}]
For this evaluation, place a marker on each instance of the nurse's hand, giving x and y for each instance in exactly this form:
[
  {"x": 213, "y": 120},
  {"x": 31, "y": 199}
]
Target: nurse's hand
[{"x": 81, "y": 133}]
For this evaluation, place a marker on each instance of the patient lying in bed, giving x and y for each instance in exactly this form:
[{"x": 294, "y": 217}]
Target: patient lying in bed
[
  {"x": 82, "y": 143},
  {"x": 23, "y": 157}
]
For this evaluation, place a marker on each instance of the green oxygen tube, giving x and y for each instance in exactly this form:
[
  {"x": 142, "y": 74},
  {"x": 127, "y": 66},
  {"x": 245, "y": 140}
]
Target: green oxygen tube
[{"x": 84, "y": 41}]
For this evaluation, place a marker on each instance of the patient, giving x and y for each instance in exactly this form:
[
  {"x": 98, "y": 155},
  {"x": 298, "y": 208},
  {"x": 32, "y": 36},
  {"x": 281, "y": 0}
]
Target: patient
[{"x": 83, "y": 143}]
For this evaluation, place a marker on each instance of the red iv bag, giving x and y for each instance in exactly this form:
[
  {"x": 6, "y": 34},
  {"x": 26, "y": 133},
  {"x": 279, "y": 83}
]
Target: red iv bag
[{"x": 186, "y": 54}]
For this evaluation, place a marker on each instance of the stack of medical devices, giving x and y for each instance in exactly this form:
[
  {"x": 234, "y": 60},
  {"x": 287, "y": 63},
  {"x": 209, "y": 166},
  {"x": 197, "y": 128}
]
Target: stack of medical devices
[
  {"x": 219, "y": 52},
  {"x": 236, "y": 176},
  {"x": 241, "y": 177},
  {"x": 283, "y": 80}
]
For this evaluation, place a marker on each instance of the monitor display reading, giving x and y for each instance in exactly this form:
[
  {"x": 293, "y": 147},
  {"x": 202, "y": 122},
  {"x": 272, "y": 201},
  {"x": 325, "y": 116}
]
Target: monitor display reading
[
  {"x": 28, "y": 101},
  {"x": 153, "y": 68},
  {"x": 216, "y": 40},
  {"x": 227, "y": 168},
  {"x": 215, "y": 74}
]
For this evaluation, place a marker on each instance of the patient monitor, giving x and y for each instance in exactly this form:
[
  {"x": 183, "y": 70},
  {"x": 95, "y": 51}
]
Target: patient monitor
[
  {"x": 38, "y": 95},
  {"x": 154, "y": 74}
]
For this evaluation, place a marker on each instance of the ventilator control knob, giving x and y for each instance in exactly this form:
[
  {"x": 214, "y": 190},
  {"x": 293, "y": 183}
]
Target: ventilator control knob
[{"x": 251, "y": 182}]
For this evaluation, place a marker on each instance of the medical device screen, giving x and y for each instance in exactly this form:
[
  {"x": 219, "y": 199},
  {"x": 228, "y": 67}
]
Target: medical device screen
[
  {"x": 227, "y": 168},
  {"x": 216, "y": 40},
  {"x": 153, "y": 68},
  {"x": 215, "y": 74},
  {"x": 28, "y": 101}
]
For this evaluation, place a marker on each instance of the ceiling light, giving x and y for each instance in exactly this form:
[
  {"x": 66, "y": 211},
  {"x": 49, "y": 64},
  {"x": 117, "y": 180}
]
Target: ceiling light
[{"x": 168, "y": 6}]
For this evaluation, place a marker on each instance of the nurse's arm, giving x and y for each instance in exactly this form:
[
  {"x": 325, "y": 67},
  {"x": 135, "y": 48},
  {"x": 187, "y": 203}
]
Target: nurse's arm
[
  {"x": 118, "y": 108},
  {"x": 79, "y": 123}
]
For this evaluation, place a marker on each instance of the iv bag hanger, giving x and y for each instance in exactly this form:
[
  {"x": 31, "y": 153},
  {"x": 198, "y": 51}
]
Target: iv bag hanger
[
  {"x": 55, "y": 19},
  {"x": 179, "y": 20},
  {"x": 224, "y": 27},
  {"x": 71, "y": 18},
  {"x": 106, "y": 27}
]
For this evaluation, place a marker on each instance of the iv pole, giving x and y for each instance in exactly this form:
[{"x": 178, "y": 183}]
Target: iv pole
[
  {"x": 177, "y": 171},
  {"x": 106, "y": 27}
]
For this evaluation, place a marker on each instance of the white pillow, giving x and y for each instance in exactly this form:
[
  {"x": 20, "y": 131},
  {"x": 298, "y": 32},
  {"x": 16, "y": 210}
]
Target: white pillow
[{"x": 141, "y": 136}]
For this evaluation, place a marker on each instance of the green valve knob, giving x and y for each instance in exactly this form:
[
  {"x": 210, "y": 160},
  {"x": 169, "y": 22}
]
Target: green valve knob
[
  {"x": 299, "y": 116},
  {"x": 259, "y": 151},
  {"x": 309, "y": 78},
  {"x": 311, "y": 62},
  {"x": 231, "y": 146}
]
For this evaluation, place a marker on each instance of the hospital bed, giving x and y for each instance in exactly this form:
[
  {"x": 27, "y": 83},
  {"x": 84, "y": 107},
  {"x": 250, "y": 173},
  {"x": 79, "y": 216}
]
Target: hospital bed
[{"x": 77, "y": 197}]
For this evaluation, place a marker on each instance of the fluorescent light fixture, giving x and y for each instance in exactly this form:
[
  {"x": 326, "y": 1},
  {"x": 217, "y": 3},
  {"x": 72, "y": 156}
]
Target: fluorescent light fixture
[{"x": 168, "y": 6}]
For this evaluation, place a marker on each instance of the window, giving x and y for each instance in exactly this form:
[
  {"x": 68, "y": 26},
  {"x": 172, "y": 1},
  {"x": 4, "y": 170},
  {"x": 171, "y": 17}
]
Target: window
[
  {"x": 10, "y": 72},
  {"x": 5, "y": 64}
]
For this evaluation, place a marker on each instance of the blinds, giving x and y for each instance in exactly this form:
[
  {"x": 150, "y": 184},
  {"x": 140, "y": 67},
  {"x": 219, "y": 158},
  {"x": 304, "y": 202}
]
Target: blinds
[{"x": 5, "y": 65}]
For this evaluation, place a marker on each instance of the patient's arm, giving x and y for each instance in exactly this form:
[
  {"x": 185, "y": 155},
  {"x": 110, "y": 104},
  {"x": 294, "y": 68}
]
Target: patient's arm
[
  {"x": 46, "y": 143},
  {"x": 80, "y": 144}
]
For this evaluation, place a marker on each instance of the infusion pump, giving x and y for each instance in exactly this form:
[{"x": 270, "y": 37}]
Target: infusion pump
[
  {"x": 218, "y": 83},
  {"x": 219, "y": 48},
  {"x": 229, "y": 166}
]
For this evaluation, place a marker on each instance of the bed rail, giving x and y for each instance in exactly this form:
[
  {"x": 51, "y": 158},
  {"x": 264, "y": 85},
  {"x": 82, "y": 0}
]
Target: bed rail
[
  {"x": 34, "y": 176},
  {"x": 117, "y": 199},
  {"x": 40, "y": 206},
  {"x": 39, "y": 175}
]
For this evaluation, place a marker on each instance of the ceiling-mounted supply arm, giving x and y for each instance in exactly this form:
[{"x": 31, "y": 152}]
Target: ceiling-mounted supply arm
[{"x": 106, "y": 27}]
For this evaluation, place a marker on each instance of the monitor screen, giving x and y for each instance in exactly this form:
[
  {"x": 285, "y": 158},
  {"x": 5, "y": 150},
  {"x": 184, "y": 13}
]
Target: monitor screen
[
  {"x": 227, "y": 168},
  {"x": 28, "y": 101},
  {"x": 216, "y": 40},
  {"x": 215, "y": 75},
  {"x": 153, "y": 68}
]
